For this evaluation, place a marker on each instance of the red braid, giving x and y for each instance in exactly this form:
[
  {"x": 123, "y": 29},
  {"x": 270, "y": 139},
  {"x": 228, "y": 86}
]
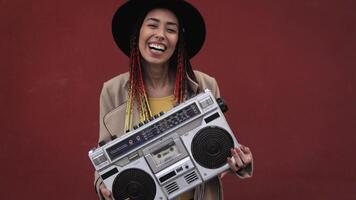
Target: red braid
[{"x": 181, "y": 84}]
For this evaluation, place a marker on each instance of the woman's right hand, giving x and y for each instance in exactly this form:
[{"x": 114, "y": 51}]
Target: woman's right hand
[{"x": 105, "y": 192}]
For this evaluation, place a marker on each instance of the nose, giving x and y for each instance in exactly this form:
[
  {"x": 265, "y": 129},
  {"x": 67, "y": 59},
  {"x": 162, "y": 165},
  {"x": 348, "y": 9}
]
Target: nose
[
  {"x": 160, "y": 34},
  {"x": 159, "y": 38}
]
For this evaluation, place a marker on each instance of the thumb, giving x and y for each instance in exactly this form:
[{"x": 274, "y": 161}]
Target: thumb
[{"x": 105, "y": 192}]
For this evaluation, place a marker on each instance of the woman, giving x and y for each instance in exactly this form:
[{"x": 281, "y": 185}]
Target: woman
[{"x": 159, "y": 36}]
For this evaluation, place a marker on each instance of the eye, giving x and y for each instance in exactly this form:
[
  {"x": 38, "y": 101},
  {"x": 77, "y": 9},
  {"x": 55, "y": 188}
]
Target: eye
[
  {"x": 171, "y": 30},
  {"x": 152, "y": 25}
]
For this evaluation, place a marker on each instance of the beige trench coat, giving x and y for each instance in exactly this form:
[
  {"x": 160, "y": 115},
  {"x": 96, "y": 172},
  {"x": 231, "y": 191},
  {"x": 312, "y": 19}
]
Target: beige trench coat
[{"x": 112, "y": 116}]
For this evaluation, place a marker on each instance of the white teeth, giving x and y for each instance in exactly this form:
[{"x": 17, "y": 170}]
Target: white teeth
[{"x": 157, "y": 46}]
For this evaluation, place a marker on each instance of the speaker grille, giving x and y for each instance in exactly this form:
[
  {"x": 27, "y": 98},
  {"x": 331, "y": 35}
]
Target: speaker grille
[
  {"x": 172, "y": 187},
  {"x": 211, "y": 147},
  {"x": 191, "y": 177},
  {"x": 134, "y": 184}
]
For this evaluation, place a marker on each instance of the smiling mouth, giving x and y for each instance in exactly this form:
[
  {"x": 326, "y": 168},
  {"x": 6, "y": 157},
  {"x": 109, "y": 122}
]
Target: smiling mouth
[{"x": 157, "y": 47}]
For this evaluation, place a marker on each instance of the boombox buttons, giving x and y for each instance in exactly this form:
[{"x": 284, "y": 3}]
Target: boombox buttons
[
  {"x": 206, "y": 102},
  {"x": 98, "y": 158}
]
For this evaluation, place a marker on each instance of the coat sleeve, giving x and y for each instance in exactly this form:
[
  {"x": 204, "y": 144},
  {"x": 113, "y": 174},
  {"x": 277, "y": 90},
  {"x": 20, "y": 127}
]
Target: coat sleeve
[
  {"x": 245, "y": 172},
  {"x": 105, "y": 106},
  {"x": 215, "y": 89},
  {"x": 207, "y": 82}
]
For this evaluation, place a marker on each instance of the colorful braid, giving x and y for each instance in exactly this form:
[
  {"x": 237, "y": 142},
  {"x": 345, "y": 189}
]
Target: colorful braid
[
  {"x": 180, "y": 88},
  {"x": 136, "y": 90}
]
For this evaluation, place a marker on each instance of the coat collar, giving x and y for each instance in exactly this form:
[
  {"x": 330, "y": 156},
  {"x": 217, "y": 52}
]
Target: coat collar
[{"x": 194, "y": 86}]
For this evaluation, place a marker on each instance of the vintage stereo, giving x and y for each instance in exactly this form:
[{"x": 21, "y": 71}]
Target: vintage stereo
[{"x": 170, "y": 154}]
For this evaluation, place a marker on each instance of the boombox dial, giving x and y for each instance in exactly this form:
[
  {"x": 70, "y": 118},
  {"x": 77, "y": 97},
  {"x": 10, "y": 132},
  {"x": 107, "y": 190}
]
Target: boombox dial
[{"x": 222, "y": 105}]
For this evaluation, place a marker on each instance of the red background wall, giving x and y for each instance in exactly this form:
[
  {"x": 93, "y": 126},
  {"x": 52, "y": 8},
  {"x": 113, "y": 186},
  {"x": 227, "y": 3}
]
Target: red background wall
[{"x": 286, "y": 68}]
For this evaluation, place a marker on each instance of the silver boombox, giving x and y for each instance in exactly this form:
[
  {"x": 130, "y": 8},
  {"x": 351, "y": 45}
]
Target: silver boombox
[{"x": 170, "y": 154}]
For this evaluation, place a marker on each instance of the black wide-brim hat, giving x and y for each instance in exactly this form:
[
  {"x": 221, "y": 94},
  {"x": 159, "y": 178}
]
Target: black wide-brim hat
[{"x": 126, "y": 18}]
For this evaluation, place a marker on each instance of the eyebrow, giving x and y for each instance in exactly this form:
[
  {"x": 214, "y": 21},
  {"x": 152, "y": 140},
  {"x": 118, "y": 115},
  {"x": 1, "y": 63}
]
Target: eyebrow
[{"x": 157, "y": 20}]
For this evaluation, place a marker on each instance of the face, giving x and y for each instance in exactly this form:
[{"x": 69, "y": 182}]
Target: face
[{"x": 158, "y": 36}]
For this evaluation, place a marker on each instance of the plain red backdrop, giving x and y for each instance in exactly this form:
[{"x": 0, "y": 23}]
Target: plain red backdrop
[{"x": 285, "y": 67}]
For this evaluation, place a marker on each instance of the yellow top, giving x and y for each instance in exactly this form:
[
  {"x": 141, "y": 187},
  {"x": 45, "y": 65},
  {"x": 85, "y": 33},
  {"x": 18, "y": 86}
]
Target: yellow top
[
  {"x": 186, "y": 196},
  {"x": 165, "y": 104},
  {"x": 161, "y": 104}
]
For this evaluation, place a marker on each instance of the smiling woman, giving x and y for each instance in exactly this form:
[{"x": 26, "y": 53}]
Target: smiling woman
[{"x": 156, "y": 35}]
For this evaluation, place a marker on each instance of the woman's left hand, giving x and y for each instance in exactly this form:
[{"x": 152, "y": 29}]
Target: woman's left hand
[{"x": 241, "y": 158}]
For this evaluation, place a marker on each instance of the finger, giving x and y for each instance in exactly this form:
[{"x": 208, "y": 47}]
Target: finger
[
  {"x": 237, "y": 158},
  {"x": 105, "y": 192},
  {"x": 246, "y": 158},
  {"x": 107, "y": 198},
  {"x": 232, "y": 164},
  {"x": 245, "y": 149}
]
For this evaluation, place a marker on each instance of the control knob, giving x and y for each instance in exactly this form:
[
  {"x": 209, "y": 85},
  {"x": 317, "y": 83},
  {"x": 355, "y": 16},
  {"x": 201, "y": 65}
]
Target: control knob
[{"x": 222, "y": 105}]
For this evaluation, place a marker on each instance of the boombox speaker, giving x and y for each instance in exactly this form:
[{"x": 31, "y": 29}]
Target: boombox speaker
[{"x": 172, "y": 153}]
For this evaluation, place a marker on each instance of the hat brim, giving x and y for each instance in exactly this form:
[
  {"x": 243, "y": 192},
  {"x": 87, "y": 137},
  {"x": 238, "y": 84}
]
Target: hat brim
[{"x": 126, "y": 17}]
